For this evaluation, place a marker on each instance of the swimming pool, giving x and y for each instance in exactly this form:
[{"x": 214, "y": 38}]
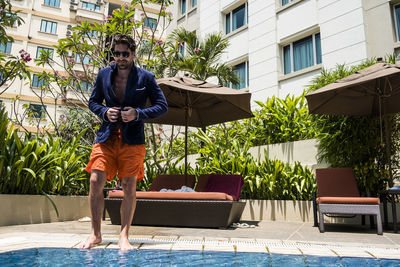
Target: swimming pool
[{"x": 150, "y": 257}]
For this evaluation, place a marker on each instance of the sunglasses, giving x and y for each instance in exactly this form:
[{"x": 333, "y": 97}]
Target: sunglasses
[{"x": 124, "y": 54}]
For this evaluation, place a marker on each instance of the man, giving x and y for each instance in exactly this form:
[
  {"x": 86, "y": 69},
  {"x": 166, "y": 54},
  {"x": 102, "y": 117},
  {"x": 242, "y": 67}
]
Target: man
[{"x": 119, "y": 145}]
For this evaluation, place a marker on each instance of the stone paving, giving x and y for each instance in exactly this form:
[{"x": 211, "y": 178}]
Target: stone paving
[{"x": 266, "y": 237}]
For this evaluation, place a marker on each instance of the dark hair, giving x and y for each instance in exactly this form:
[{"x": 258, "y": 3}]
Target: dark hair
[{"x": 126, "y": 40}]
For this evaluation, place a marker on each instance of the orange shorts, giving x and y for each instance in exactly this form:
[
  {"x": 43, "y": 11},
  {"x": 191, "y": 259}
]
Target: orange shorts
[{"x": 116, "y": 156}]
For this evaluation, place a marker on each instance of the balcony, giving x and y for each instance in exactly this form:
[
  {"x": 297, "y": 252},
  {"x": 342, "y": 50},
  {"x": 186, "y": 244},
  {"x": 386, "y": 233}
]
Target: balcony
[{"x": 88, "y": 15}]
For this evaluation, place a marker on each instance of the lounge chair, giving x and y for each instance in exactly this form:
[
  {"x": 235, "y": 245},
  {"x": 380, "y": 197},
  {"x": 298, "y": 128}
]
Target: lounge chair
[
  {"x": 214, "y": 204},
  {"x": 338, "y": 194}
]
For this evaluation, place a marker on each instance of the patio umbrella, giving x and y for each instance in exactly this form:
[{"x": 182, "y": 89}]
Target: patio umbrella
[
  {"x": 374, "y": 90},
  {"x": 194, "y": 103}
]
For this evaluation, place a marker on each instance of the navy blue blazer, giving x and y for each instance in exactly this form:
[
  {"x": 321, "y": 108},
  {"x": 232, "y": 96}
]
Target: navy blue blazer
[{"x": 141, "y": 86}]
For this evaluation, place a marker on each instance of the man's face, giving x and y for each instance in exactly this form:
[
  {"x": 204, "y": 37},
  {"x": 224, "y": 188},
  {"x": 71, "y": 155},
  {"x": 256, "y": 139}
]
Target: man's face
[{"x": 123, "y": 56}]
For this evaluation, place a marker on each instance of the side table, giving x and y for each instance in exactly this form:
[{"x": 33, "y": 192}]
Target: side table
[{"x": 386, "y": 195}]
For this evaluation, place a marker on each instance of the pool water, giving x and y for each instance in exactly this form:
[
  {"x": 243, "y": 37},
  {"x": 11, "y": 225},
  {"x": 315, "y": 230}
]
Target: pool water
[{"x": 146, "y": 257}]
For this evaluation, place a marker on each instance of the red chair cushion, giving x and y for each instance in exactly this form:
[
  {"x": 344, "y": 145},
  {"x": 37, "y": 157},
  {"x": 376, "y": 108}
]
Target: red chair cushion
[
  {"x": 173, "y": 195},
  {"x": 349, "y": 200}
]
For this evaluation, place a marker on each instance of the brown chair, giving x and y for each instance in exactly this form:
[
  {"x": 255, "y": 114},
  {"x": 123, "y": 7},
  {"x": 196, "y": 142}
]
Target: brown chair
[{"x": 338, "y": 194}]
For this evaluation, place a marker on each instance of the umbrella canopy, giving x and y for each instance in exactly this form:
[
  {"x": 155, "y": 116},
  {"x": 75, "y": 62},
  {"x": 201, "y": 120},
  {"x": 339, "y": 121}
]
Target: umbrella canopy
[
  {"x": 197, "y": 103},
  {"x": 203, "y": 103},
  {"x": 374, "y": 90}
]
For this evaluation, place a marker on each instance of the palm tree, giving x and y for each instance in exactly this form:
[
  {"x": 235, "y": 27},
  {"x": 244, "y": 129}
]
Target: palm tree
[{"x": 203, "y": 57}]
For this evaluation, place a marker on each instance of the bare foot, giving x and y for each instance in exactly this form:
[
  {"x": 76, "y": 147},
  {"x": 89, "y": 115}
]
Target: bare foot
[
  {"x": 124, "y": 244},
  {"x": 90, "y": 242}
]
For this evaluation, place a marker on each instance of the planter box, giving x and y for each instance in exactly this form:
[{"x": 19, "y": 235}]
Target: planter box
[
  {"x": 28, "y": 209},
  {"x": 278, "y": 210}
]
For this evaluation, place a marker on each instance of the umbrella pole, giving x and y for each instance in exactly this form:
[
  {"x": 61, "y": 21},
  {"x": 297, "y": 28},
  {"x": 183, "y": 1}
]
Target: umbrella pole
[
  {"x": 186, "y": 151},
  {"x": 387, "y": 146}
]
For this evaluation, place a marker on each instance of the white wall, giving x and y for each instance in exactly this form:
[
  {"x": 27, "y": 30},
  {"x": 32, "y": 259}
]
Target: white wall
[
  {"x": 263, "y": 50},
  {"x": 296, "y": 19},
  {"x": 343, "y": 37},
  {"x": 210, "y": 20}
]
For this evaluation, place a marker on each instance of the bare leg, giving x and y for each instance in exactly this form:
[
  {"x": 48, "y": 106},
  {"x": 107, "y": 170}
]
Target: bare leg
[
  {"x": 127, "y": 210},
  {"x": 96, "y": 201}
]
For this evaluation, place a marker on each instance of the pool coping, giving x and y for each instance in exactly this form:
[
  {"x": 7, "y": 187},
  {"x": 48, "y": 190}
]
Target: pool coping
[{"x": 197, "y": 243}]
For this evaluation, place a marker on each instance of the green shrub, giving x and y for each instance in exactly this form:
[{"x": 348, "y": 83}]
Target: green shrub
[
  {"x": 282, "y": 120},
  {"x": 33, "y": 165},
  {"x": 266, "y": 179}
]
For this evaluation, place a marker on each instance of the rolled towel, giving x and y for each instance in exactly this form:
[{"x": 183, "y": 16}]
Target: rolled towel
[
  {"x": 182, "y": 189},
  {"x": 166, "y": 190},
  {"x": 186, "y": 189}
]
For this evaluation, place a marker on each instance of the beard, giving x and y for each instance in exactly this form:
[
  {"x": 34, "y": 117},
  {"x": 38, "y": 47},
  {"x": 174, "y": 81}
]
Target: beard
[{"x": 124, "y": 64}]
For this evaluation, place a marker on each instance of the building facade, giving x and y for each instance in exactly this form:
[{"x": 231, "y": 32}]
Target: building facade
[
  {"x": 278, "y": 46},
  {"x": 45, "y": 22}
]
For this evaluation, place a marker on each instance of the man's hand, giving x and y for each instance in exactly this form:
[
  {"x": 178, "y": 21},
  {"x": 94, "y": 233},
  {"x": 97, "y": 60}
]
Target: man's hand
[
  {"x": 128, "y": 114},
  {"x": 113, "y": 113}
]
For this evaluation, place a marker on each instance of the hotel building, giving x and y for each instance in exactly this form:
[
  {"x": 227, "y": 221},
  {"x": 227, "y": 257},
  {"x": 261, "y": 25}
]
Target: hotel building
[{"x": 278, "y": 46}]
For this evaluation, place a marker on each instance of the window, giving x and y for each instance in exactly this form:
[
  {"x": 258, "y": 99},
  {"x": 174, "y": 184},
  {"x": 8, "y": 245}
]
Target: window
[
  {"x": 242, "y": 71},
  {"x": 37, "y": 81},
  {"x": 150, "y": 23},
  {"x": 41, "y": 50},
  {"x": 90, "y": 6},
  {"x": 37, "y": 111},
  {"x": 48, "y": 26},
  {"x": 285, "y": 2},
  {"x": 5, "y": 48},
  {"x": 53, "y": 3},
  {"x": 182, "y": 49},
  {"x": 236, "y": 18},
  {"x": 302, "y": 54},
  {"x": 183, "y": 6},
  {"x": 82, "y": 59},
  {"x": 397, "y": 20},
  {"x": 2, "y": 78}
]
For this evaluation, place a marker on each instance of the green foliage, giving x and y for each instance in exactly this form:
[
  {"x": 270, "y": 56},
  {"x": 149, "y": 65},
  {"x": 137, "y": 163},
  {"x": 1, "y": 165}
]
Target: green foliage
[
  {"x": 282, "y": 120},
  {"x": 264, "y": 179},
  {"x": 356, "y": 141},
  {"x": 72, "y": 123},
  {"x": 32, "y": 165},
  {"x": 276, "y": 121},
  {"x": 178, "y": 145}
]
